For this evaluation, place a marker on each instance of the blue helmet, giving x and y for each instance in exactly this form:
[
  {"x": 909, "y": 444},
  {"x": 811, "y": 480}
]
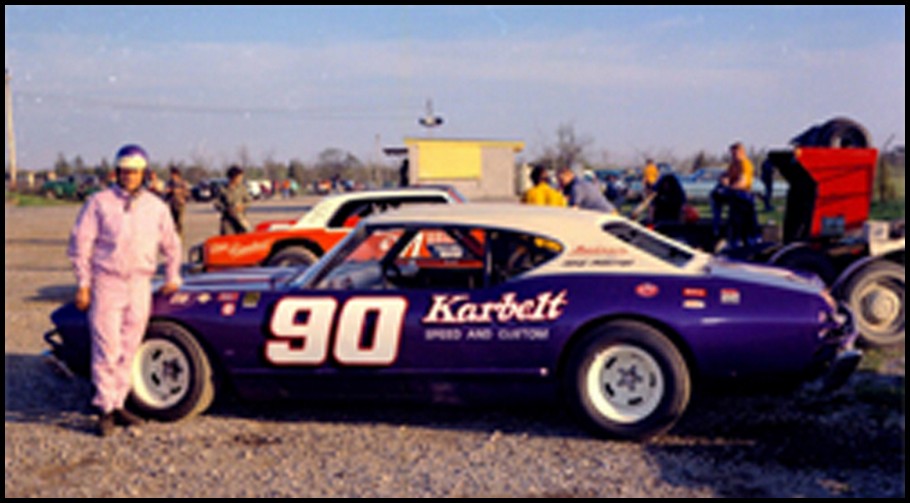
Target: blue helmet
[{"x": 131, "y": 157}]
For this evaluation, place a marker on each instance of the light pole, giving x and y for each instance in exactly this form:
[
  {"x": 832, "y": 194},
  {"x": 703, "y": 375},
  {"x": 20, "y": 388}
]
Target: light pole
[
  {"x": 430, "y": 120},
  {"x": 10, "y": 135}
]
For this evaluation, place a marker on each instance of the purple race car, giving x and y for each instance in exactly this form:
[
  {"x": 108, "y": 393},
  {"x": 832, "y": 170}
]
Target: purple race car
[{"x": 444, "y": 302}]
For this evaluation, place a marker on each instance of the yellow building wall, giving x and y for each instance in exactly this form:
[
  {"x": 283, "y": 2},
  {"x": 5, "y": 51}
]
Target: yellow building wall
[
  {"x": 454, "y": 159},
  {"x": 449, "y": 160}
]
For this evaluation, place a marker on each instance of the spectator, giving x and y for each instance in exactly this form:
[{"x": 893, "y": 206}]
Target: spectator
[
  {"x": 616, "y": 190},
  {"x": 734, "y": 189},
  {"x": 176, "y": 194},
  {"x": 155, "y": 184},
  {"x": 649, "y": 174},
  {"x": 542, "y": 192},
  {"x": 581, "y": 193},
  {"x": 232, "y": 202}
]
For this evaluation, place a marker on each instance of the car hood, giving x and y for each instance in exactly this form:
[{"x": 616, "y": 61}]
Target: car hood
[
  {"x": 765, "y": 275},
  {"x": 246, "y": 278}
]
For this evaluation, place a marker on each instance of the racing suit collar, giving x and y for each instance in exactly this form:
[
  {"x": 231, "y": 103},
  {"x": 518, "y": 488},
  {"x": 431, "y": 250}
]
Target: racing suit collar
[{"x": 127, "y": 197}]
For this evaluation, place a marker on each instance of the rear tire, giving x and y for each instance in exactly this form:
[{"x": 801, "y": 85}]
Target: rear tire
[
  {"x": 292, "y": 256},
  {"x": 627, "y": 380}
]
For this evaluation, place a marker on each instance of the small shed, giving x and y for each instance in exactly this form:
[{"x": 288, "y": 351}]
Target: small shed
[{"x": 479, "y": 169}]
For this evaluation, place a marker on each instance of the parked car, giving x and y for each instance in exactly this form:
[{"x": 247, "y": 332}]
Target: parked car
[
  {"x": 698, "y": 185},
  {"x": 451, "y": 302},
  {"x": 208, "y": 190},
  {"x": 303, "y": 241},
  {"x": 76, "y": 187}
]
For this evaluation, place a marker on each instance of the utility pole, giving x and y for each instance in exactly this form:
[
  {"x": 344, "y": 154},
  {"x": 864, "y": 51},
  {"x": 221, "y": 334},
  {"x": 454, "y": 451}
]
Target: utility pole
[{"x": 10, "y": 135}]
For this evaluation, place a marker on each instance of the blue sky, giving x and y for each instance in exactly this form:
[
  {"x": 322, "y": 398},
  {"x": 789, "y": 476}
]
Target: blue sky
[{"x": 202, "y": 83}]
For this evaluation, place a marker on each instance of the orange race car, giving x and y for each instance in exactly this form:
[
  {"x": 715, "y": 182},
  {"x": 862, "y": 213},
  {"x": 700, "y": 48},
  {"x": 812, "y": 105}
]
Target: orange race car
[{"x": 302, "y": 242}]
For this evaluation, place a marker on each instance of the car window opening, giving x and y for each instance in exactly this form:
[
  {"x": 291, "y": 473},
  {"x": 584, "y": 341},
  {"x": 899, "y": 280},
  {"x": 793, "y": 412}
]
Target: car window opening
[{"x": 452, "y": 258}]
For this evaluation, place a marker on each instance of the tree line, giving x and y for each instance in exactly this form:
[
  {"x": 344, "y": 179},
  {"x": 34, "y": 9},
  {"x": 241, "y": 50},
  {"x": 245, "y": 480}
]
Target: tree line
[{"x": 330, "y": 163}]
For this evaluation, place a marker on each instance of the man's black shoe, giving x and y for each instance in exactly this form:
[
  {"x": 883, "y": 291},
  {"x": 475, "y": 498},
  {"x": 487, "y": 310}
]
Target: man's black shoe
[
  {"x": 106, "y": 424},
  {"x": 124, "y": 417}
]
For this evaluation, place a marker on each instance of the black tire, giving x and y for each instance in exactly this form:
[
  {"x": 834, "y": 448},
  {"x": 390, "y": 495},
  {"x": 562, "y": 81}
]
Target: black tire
[
  {"x": 875, "y": 294},
  {"x": 843, "y": 133},
  {"x": 808, "y": 260},
  {"x": 292, "y": 256},
  {"x": 172, "y": 377},
  {"x": 839, "y": 132},
  {"x": 635, "y": 356}
]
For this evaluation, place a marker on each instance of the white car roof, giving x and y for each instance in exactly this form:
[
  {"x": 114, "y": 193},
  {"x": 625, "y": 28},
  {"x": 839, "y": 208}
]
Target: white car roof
[
  {"x": 586, "y": 246},
  {"x": 322, "y": 211}
]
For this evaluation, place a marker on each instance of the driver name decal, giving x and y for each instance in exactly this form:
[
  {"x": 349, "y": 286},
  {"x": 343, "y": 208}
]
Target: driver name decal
[{"x": 450, "y": 309}]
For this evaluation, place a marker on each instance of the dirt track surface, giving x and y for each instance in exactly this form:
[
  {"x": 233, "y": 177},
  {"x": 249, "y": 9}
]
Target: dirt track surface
[{"x": 796, "y": 444}]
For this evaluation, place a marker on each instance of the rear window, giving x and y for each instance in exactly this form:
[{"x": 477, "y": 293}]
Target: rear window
[
  {"x": 350, "y": 213},
  {"x": 649, "y": 244}
]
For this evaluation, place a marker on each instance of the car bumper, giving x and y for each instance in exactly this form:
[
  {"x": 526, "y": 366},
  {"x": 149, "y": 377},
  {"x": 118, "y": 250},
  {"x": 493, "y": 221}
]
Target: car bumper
[
  {"x": 53, "y": 356},
  {"x": 839, "y": 357}
]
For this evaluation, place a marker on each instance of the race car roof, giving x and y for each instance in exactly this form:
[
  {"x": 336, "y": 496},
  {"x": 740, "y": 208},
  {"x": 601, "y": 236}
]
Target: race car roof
[
  {"x": 581, "y": 232},
  {"x": 543, "y": 219},
  {"x": 323, "y": 210}
]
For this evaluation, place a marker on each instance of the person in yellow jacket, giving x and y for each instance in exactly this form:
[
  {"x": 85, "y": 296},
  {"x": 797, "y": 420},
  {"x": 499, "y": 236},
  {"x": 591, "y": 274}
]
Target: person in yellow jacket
[
  {"x": 649, "y": 177},
  {"x": 542, "y": 193}
]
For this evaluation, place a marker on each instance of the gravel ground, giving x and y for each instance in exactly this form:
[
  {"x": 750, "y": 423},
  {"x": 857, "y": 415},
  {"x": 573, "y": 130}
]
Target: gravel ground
[{"x": 797, "y": 444}]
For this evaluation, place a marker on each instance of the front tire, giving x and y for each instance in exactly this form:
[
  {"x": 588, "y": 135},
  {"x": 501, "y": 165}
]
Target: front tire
[
  {"x": 172, "y": 377},
  {"x": 627, "y": 380}
]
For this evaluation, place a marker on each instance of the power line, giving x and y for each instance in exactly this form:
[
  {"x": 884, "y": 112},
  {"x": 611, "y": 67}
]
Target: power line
[{"x": 323, "y": 113}]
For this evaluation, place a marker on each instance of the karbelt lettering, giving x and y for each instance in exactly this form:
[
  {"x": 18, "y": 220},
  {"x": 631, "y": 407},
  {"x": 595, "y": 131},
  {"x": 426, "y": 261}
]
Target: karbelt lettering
[{"x": 546, "y": 306}]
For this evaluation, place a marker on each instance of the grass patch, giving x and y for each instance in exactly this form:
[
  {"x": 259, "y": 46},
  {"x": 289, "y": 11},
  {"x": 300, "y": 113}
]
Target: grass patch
[{"x": 26, "y": 200}]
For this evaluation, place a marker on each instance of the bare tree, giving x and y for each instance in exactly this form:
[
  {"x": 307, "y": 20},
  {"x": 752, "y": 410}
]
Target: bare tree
[{"x": 569, "y": 149}]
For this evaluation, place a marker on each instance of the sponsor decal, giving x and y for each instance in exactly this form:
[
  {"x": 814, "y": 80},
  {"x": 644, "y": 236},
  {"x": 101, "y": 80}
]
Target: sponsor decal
[
  {"x": 699, "y": 293},
  {"x": 204, "y": 298},
  {"x": 228, "y": 297},
  {"x": 234, "y": 250},
  {"x": 730, "y": 296},
  {"x": 450, "y": 309},
  {"x": 228, "y": 309},
  {"x": 180, "y": 299},
  {"x": 693, "y": 304},
  {"x": 484, "y": 335},
  {"x": 598, "y": 250},
  {"x": 647, "y": 290},
  {"x": 251, "y": 300}
]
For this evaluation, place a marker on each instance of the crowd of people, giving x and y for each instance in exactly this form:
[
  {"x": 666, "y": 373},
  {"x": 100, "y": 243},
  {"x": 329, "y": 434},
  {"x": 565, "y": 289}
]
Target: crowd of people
[{"x": 664, "y": 198}]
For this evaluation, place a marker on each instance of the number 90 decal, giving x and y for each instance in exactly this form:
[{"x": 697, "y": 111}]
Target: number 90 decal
[{"x": 303, "y": 331}]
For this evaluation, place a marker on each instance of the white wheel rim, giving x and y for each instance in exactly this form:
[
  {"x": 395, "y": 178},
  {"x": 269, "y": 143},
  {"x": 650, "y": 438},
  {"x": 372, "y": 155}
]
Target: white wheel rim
[
  {"x": 624, "y": 383},
  {"x": 161, "y": 374}
]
